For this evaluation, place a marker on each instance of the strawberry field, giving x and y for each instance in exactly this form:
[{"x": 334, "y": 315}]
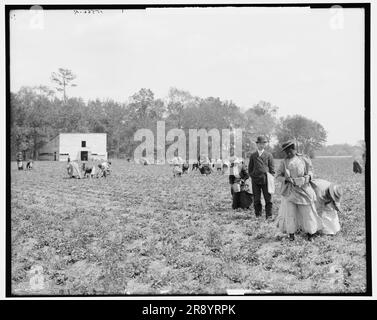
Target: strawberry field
[{"x": 141, "y": 231}]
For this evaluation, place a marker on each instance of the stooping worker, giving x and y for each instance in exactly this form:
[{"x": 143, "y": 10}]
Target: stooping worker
[
  {"x": 195, "y": 165},
  {"x": 239, "y": 180},
  {"x": 185, "y": 167},
  {"x": 297, "y": 209},
  {"x": 357, "y": 166},
  {"x": 204, "y": 166},
  {"x": 177, "y": 166},
  {"x": 29, "y": 165},
  {"x": 89, "y": 170},
  {"x": 104, "y": 168},
  {"x": 328, "y": 204},
  {"x": 73, "y": 170}
]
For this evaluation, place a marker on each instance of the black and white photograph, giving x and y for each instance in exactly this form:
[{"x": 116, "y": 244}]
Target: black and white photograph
[{"x": 167, "y": 150}]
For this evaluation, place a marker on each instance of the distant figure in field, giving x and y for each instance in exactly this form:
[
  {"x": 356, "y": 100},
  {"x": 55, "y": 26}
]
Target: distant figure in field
[
  {"x": 73, "y": 170},
  {"x": 219, "y": 165},
  {"x": 89, "y": 170},
  {"x": 20, "y": 165},
  {"x": 204, "y": 166},
  {"x": 105, "y": 168},
  {"x": 144, "y": 161},
  {"x": 239, "y": 180},
  {"x": 20, "y": 159},
  {"x": 195, "y": 165},
  {"x": 29, "y": 165},
  {"x": 328, "y": 204},
  {"x": 226, "y": 166},
  {"x": 69, "y": 159},
  {"x": 357, "y": 167},
  {"x": 177, "y": 163},
  {"x": 185, "y": 168}
]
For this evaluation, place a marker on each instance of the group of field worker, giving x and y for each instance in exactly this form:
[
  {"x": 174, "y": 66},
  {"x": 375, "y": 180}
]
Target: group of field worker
[
  {"x": 20, "y": 162},
  {"x": 88, "y": 170},
  {"x": 204, "y": 165},
  {"x": 307, "y": 204}
]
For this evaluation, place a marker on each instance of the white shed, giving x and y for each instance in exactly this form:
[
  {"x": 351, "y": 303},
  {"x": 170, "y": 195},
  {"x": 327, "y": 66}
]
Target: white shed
[{"x": 78, "y": 146}]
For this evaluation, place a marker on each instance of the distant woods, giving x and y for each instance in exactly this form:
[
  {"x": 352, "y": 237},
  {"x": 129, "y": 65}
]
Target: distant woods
[{"x": 38, "y": 114}]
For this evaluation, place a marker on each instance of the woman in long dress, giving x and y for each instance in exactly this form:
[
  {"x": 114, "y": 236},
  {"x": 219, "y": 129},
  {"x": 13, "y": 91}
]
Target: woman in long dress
[
  {"x": 297, "y": 210},
  {"x": 240, "y": 185}
]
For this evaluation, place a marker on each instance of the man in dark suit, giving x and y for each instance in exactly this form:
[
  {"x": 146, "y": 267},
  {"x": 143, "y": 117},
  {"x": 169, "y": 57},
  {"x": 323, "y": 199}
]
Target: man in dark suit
[{"x": 260, "y": 163}]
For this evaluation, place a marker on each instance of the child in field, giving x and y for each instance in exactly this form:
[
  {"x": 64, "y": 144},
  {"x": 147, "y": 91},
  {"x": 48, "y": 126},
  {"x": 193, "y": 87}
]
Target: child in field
[
  {"x": 20, "y": 165},
  {"x": 20, "y": 159}
]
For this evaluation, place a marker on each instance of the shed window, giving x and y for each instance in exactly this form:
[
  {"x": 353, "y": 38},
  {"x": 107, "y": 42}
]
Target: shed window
[{"x": 83, "y": 144}]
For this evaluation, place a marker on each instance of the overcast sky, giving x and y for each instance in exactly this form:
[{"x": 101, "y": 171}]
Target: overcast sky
[{"x": 308, "y": 62}]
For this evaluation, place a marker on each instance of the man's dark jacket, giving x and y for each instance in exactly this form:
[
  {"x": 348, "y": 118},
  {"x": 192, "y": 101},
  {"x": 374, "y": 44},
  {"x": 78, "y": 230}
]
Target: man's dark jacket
[{"x": 260, "y": 165}]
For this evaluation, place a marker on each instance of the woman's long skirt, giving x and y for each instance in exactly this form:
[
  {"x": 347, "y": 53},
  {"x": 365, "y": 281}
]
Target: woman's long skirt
[{"x": 293, "y": 217}]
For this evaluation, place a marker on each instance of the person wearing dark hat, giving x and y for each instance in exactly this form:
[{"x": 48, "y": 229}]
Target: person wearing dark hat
[
  {"x": 297, "y": 209},
  {"x": 260, "y": 163},
  {"x": 328, "y": 204}
]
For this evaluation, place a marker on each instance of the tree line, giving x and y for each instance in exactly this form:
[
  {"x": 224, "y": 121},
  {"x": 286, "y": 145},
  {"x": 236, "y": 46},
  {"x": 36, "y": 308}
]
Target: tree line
[
  {"x": 343, "y": 149},
  {"x": 38, "y": 115}
]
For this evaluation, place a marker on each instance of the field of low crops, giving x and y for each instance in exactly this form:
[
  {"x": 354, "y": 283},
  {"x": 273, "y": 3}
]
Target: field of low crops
[{"x": 141, "y": 231}]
